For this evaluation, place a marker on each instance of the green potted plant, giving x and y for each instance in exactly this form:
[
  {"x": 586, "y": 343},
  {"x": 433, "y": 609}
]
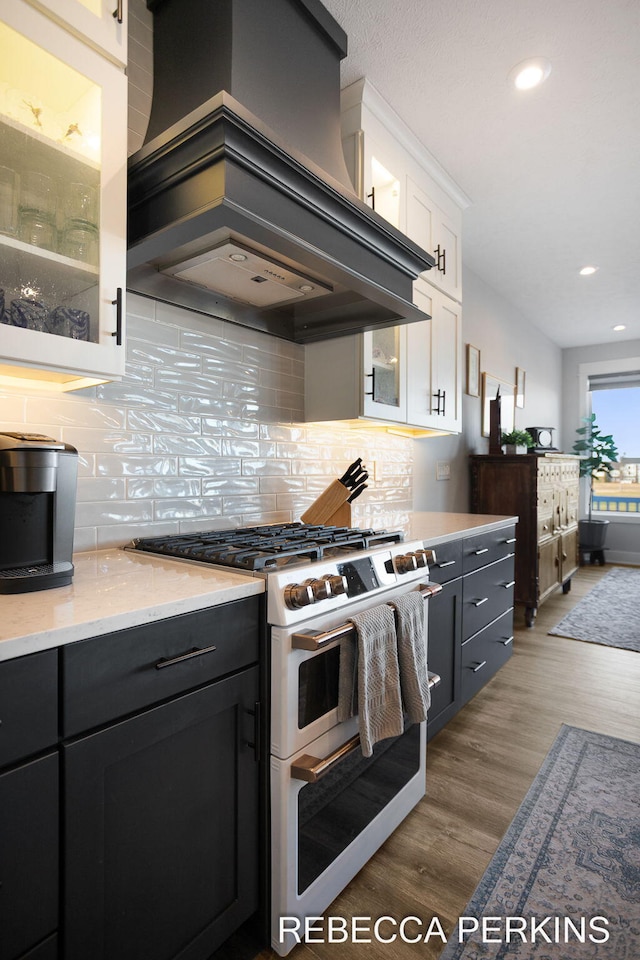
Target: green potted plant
[
  {"x": 516, "y": 438},
  {"x": 598, "y": 456}
]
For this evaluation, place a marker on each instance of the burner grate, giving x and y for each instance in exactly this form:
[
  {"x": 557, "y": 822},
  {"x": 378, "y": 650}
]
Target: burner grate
[{"x": 266, "y": 546}]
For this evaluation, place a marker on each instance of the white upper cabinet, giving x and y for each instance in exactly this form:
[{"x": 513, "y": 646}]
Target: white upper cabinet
[
  {"x": 397, "y": 176},
  {"x": 100, "y": 23},
  {"x": 434, "y": 352},
  {"x": 438, "y": 232},
  {"x": 63, "y": 114}
]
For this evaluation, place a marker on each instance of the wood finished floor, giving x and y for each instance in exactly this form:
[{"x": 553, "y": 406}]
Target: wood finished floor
[{"x": 479, "y": 769}]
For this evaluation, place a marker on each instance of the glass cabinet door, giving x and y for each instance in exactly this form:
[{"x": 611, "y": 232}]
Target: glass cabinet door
[
  {"x": 103, "y": 23},
  {"x": 385, "y": 382},
  {"x": 60, "y": 195}
]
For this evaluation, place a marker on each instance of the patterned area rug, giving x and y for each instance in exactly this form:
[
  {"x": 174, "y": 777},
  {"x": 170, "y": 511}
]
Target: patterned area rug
[
  {"x": 609, "y": 614},
  {"x": 572, "y": 855}
]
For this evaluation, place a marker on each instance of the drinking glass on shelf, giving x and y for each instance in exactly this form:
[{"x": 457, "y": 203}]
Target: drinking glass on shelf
[
  {"x": 37, "y": 210},
  {"x": 9, "y": 189},
  {"x": 80, "y": 230}
]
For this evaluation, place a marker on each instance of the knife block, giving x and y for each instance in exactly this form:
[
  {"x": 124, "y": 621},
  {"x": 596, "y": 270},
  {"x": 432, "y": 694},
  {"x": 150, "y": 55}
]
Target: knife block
[{"x": 330, "y": 507}]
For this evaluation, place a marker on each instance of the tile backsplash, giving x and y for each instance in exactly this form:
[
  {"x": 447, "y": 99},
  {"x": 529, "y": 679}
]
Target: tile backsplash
[{"x": 205, "y": 430}]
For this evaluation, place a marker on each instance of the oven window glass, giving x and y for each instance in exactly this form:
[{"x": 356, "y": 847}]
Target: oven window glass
[
  {"x": 332, "y": 812},
  {"x": 318, "y": 686}
]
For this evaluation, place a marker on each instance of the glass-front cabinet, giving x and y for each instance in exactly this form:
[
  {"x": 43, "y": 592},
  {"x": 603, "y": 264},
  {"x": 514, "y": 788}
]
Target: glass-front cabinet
[
  {"x": 385, "y": 392},
  {"x": 102, "y": 23},
  {"x": 62, "y": 203}
]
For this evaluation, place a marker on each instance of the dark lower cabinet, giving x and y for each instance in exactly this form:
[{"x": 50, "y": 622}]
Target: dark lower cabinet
[
  {"x": 161, "y": 822},
  {"x": 29, "y": 825},
  {"x": 471, "y": 621},
  {"x": 444, "y": 654}
]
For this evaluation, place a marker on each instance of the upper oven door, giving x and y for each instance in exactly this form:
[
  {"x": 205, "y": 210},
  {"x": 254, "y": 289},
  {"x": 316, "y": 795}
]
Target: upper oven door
[{"x": 304, "y": 682}]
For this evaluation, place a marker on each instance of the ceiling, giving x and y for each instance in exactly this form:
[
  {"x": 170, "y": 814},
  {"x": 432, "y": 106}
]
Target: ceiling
[{"x": 553, "y": 174}]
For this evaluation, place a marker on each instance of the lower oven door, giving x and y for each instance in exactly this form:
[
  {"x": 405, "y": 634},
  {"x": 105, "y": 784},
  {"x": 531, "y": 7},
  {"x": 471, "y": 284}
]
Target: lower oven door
[{"x": 332, "y": 809}]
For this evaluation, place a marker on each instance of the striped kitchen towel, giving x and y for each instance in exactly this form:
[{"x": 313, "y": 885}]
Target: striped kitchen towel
[
  {"x": 412, "y": 656},
  {"x": 373, "y": 669}
]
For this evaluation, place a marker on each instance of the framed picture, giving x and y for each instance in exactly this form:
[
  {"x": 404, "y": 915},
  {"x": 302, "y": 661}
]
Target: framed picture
[
  {"x": 490, "y": 386},
  {"x": 520, "y": 378},
  {"x": 473, "y": 371}
]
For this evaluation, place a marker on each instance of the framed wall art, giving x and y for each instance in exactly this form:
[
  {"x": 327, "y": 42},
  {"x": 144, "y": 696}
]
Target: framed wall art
[
  {"x": 490, "y": 386},
  {"x": 520, "y": 379},
  {"x": 473, "y": 371}
]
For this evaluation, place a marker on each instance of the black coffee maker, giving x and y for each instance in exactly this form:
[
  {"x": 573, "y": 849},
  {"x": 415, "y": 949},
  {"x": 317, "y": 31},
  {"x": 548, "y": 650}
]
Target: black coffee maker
[{"x": 38, "y": 478}]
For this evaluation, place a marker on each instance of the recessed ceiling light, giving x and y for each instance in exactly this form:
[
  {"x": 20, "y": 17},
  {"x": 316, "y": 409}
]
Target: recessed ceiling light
[
  {"x": 619, "y": 326},
  {"x": 237, "y": 257},
  {"x": 530, "y": 73},
  {"x": 587, "y": 271}
]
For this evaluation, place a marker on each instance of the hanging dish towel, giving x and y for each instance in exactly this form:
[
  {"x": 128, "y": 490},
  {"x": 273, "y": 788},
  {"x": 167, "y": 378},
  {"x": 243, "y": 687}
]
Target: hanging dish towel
[
  {"x": 412, "y": 656},
  {"x": 375, "y": 665}
]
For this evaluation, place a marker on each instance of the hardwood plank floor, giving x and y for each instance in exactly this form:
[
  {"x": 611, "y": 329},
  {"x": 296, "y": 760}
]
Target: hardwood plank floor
[{"x": 479, "y": 769}]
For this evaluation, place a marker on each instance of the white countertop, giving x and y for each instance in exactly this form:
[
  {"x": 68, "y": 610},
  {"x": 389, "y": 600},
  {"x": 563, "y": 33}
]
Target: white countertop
[
  {"x": 111, "y": 590},
  {"x": 434, "y": 528}
]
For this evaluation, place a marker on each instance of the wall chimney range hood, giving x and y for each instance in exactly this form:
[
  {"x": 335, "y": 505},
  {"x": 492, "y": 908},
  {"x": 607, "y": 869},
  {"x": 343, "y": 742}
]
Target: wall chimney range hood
[{"x": 240, "y": 205}]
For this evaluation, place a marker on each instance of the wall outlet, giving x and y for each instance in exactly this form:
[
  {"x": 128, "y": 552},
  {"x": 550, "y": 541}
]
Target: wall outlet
[{"x": 443, "y": 470}]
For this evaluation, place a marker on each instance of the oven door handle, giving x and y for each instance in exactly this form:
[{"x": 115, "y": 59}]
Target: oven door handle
[
  {"x": 311, "y": 769},
  {"x": 314, "y": 641}
]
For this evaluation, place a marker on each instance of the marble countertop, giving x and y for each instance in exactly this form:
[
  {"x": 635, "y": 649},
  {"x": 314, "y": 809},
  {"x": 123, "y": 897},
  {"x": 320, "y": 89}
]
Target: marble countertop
[
  {"x": 434, "y": 528},
  {"x": 111, "y": 590}
]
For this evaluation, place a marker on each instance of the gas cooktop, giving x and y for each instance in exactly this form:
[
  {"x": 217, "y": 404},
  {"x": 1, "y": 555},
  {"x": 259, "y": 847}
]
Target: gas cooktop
[{"x": 266, "y": 547}]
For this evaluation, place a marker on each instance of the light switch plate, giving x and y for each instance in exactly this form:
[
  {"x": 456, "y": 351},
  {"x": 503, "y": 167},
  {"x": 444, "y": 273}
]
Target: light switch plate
[{"x": 443, "y": 470}]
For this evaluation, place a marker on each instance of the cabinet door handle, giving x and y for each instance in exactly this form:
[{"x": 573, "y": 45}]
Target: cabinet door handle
[
  {"x": 508, "y": 586},
  {"x": 184, "y": 656},
  {"x": 511, "y": 540},
  {"x": 372, "y": 196},
  {"x": 370, "y": 393},
  {"x": 257, "y": 730},
  {"x": 446, "y": 563},
  {"x": 118, "y": 12},
  {"x": 483, "y": 550},
  {"x": 441, "y": 260},
  {"x": 479, "y": 667},
  {"x": 117, "y": 303},
  {"x": 478, "y": 603},
  {"x": 505, "y": 643}
]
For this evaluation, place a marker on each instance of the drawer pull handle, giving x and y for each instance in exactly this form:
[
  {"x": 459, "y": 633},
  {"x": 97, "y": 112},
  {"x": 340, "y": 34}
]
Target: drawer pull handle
[
  {"x": 508, "y": 586},
  {"x": 505, "y": 643},
  {"x": 184, "y": 656},
  {"x": 446, "y": 563},
  {"x": 483, "y": 550},
  {"x": 479, "y": 667},
  {"x": 511, "y": 540},
  {"x": 478, "y": 603}
]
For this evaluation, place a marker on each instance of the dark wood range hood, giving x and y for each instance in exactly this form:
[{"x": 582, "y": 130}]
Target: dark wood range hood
[{"x": 240, "y": 205}]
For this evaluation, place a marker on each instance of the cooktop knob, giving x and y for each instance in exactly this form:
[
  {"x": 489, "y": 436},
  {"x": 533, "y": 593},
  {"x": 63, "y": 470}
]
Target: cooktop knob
[
  {"x": 321, "y": 589},
  {"x": 406, "y": 562},
  {"x": 298, "y": 595},
  {"x": 337, "y": 582},
  {"x": 421, "y": 557}
]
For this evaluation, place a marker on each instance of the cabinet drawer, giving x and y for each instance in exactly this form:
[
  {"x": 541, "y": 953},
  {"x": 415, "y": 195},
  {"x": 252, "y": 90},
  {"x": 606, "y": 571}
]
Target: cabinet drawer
[
  {"x": 448, "y": 564},
  {"x": 121, "y": 673},
  {"x": 545, "y": 527},
  {"x": 487, "y": 547},
  {"x": 28, "y": 705},
  {"x": 486, "y": 594},
  {"x": 485, "y": 653}
]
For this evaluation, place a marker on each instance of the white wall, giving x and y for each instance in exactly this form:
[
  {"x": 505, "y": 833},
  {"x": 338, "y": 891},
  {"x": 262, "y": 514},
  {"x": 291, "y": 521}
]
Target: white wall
[{"x": 506, "y": 340}]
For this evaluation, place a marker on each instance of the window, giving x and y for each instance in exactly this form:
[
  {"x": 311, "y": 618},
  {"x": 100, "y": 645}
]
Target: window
[{"x": 615, "y": 400}]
